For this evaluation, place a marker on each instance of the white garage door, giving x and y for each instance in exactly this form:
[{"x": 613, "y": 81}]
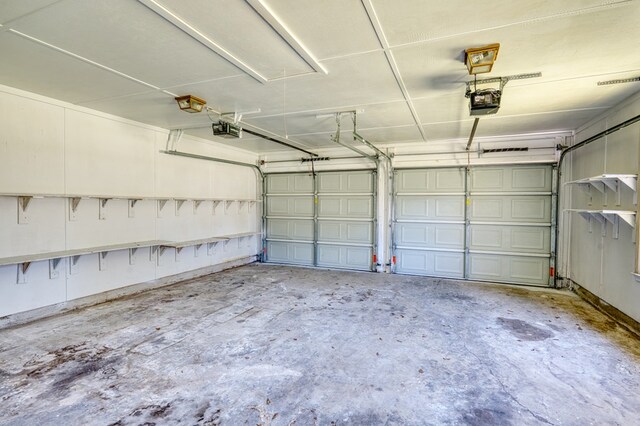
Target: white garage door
[
  {"x": 337, "y": 230},
  {"x": 501, "y": 233}
]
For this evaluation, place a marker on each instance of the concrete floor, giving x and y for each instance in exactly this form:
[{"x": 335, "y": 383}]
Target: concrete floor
[{"x": 274, "y": 345}]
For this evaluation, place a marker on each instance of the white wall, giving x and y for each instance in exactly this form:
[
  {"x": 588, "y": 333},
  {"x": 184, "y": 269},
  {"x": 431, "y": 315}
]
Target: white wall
[
  {"x": 602, "y": 264},
  {"x": 51, "y": 148}
]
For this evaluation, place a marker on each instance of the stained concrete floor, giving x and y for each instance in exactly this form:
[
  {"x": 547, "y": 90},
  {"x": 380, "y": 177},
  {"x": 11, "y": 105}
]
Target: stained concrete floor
[{"x": 274, "y": 345}]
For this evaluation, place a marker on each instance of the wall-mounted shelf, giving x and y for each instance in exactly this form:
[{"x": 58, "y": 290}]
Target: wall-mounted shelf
[
  {"x": 178, "y": 246},
  {"x": 612, "y": 216},
  {"x": 24, "y": 201},
  {"x": 54, "y": 257},
  {"x": 615, "y": 182}
]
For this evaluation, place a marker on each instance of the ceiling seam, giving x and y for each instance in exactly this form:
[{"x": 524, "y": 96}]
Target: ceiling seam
[
  {"x": 593, "y": 9},
  {"x": 331, "y": 110},
  {"x": 286, "y": 34},
  {"x": 191, "y": 31},
  {"x": 83, "y": 59},
  {"x": 24, "y": 15},
  {"x": 377, "y": 27},
  {"x": 267, "y": 15}
]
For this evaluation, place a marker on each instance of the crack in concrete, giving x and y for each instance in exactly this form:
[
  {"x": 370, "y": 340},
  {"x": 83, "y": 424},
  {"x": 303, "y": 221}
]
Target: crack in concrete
[{"x": 505, "y": 390}]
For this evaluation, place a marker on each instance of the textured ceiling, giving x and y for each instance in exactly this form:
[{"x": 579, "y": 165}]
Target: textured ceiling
[{"x": 286, "y": 65}]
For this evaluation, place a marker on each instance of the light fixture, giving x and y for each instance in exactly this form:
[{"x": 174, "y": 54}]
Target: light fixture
[
  {"x": 480, "y": 59},
  {"x": 191, "y": 103}
]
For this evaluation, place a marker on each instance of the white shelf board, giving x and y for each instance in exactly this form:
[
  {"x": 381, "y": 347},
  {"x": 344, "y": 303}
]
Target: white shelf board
[
  {"x": 181, "y": 244},
  {"x": 77, "y": 252},
  {"x": 627, "y": 216},
  {"x": 240, "y": 235},
  {"x": 609, "y": 180}
]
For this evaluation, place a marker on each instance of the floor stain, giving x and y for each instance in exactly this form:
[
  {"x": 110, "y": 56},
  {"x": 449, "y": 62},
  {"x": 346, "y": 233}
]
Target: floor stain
[
  {"x": 485, "y": 416},
  {"x": 80, "y": 353},
  {"x": 523, "y": 330}
]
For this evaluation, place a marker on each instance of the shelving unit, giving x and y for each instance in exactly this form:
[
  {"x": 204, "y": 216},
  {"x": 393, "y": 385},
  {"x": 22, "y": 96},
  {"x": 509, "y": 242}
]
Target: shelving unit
[
  {"x": 615, "y": 182},
  {"x": 24, "y": 201},
  {"x": 24, "y": 204},
  {"x": 612, "y": 216},
  {"x": 54, "y": 257},
  {"x": 179, "y": 246}
]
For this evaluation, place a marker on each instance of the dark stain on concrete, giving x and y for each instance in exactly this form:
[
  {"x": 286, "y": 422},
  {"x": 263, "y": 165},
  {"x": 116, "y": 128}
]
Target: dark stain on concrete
[
  {"x": 83, "y": 369},
  {"x": 523, "y": 330},
  {"x": 485, "y": 416},
  {"x": 79, "y": 353},
  {"x": 151, "y": 414}
]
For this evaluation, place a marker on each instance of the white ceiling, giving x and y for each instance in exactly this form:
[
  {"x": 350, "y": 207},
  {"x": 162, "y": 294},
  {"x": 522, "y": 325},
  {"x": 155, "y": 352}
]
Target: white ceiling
[{"x": 399, "y": 63}]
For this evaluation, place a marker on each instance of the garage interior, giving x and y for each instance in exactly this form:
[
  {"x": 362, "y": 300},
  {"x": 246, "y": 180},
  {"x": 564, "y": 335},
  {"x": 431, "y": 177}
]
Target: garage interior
[{"x": 283, "y": 212}]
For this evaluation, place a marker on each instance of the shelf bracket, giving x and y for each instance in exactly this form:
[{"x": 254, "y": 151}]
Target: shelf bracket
[
  {"x": 22, "y": 272},
  {"x": 131, "y": 206},
  {"x": 227, "y": 205},
  {"x": 74, "y": 202},
  {"x": 23, "y": 205},
  {"x": 153, "y": 252},
  {"x": 132, "y": 255},
  {"x": 196, "y": 204},
  {"x": 215, "y": 204},
  {"x": 178, "y": 251},
  {"x": 179, "y": 204},
  {"x": 102, "y": 260},
  {"x": 73, "y": 264},
  {"x": 196, "y": 249},
  {"x": 54, "y": 271},
  {"x": 211, "y": 247},
  {"x": 102, "y": 208},
  {"x": 161, "y": 204}
]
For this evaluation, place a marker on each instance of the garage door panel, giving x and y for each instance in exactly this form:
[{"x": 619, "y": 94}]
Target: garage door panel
[
  {"x": 430, "y": 207},
  {"x": 290, "y": 206},
  {"x": 290, "y": 229},
  {"x": 523, "y": 239},
  {"x": 430, "y": 235},
  {"x": 536, "y": 178},
  {"x": 424, "y": 262},
  {"x": 430, "y": 180},
  {"x": 345, "y": 232},
  {"x": 339, "y": 226},
  {"x": 525, "y": 208},
  {"x": 345, "y": 182},
  {"x": 503, "y": 234},
  {"x": 293, "y": 253},
  {"x": 518, "y": 269},
  {"x": 290, "y": 184},
  {"x": 350, "y": 206},
  {"x": 347, "y": 257}
]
